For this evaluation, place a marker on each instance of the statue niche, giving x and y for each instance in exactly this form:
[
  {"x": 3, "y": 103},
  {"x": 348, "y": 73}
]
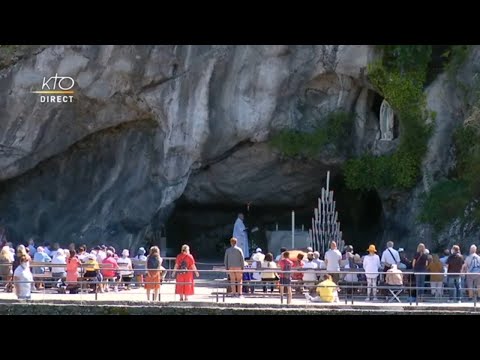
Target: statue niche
[{"x": 386, "y": 121}]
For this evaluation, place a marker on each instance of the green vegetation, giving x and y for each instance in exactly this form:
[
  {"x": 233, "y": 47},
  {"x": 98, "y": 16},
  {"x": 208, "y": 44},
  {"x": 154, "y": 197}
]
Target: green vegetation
[
  {"x": 7, "y": 54},
  {"x": 456, "y": 55},
  {"x": 467, "y": 144},
  {"x": 448, "y": 198},
  {"x": 295, "y": 143},
  {"x": 399, "y": 77},
  {"x": 446, "y": 201}
]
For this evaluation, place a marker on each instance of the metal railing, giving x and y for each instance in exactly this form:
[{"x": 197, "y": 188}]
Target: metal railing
[{"x": 349, "y": 291}]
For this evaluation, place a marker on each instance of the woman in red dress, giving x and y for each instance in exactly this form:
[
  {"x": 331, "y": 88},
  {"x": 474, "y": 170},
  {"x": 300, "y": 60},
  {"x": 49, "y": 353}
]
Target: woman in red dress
[{"x": 185, "y": 267}]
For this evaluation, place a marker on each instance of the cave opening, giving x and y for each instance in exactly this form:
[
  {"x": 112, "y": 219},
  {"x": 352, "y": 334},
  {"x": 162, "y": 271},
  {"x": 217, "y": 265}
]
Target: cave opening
[
  {"x": 360, "y": 214},
  {"x": 207, "y": 228}
]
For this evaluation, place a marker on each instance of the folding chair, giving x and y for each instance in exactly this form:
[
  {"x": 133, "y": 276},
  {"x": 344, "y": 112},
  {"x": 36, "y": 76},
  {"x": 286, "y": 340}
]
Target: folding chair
[{"x": 395, "y": 292}]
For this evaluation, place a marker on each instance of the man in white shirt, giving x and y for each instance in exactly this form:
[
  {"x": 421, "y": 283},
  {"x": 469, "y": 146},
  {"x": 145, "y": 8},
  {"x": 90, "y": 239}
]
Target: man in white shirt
[
  {"x": 390, "y": 257},
  {"x": 332, "y": 261}
]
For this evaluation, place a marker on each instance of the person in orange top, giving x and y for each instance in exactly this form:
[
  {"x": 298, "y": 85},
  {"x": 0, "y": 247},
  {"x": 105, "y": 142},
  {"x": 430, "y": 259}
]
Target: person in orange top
[
  {"x": 72, "y": 272},
  {"x": 184, "y": 278},
  {"x": 153, "y": 279}
]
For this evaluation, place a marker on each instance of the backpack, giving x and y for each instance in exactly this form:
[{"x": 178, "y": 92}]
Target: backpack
[
  {"x": 183, "y": 266},
  {"x": 475, "y": 265},
  {"x": 153, "y": 263}
]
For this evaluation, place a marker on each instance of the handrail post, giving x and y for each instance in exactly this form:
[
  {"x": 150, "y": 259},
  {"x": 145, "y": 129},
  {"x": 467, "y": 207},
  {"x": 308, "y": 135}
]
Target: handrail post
[{"x": 412, "y": 278}]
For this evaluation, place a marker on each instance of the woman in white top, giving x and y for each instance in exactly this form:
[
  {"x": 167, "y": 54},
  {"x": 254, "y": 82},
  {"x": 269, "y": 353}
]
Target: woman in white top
[
  {"x": 59, "y": 272},
  {"x": 257, "y": 262},
  {"x": 269, "y": 277},
  {"x": 371, "y": 264},
  {"x": 23, "y": 279},
  {"x": 126, "y": 269}
]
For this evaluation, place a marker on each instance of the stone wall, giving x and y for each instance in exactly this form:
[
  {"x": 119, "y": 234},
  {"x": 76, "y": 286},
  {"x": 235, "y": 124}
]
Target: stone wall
[{"x": 103, "y": 308}]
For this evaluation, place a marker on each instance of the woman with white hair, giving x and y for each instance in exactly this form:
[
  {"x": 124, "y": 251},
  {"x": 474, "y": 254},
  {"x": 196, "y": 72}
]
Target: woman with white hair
[
  {"x": 59, "y": 258},
  {"x": 39, "y": 257},
  {"x": 126, "y": 269}
]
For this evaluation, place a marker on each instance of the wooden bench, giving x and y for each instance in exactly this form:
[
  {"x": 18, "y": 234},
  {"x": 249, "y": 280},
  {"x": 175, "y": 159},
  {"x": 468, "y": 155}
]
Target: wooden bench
[
  {"x": 107, "y": 279},
  {"x": 47, "y": 275}
]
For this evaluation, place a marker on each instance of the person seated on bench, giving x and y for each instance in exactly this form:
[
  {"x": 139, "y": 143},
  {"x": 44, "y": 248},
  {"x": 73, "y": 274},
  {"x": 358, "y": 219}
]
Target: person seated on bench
[
  {"x": 92, "y": 270},
  {"x": 309, "y": 276},
  {"x": 269, "y": 277},
  {"x": 126, "y": 269},
  {"x": 327, "y": 291},
  {"x": 320, "y": 263},
  {"x": 110, "y": 271},
  {"x": 247, "y": 277},
  {"x": 394, "y": 281},
  {"x": 40, "y": 256},
  {"x": 73, "y": 264},
  {"x": 257, "y": 259},
  {"x": 298, "y": 275},
  {"x": 59, "y": 272}
]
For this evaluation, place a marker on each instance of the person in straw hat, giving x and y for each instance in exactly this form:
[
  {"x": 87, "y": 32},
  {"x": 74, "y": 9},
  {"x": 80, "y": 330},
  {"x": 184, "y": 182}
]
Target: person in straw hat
[{"x": 371, "y": 264}]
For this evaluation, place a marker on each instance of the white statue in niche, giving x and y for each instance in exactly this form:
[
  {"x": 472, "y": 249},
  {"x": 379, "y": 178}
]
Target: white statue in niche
[{"x": 386, "y": 121}]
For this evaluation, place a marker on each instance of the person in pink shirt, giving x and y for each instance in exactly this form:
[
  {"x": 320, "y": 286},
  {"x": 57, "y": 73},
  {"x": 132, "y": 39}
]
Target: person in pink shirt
[
  {"x": 297, "y": 275},
  {"x": 110, "y": 269},
  {"x": 285, "y": 276},
  {"x": 72, "y": 272}
]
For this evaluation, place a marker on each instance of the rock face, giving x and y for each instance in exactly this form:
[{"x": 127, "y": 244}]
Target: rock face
[
  {"x": 149, "y": 125},
  {"x": 147, "y": 121},
  {"x": 449, "y": 100}
]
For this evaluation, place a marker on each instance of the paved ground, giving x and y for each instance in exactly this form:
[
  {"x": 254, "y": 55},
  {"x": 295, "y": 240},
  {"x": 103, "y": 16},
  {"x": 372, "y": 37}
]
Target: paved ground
[{"x": 203, "y": 297}]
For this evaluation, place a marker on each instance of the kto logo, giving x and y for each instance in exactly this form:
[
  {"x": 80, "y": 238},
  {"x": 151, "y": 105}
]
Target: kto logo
[{"x": 57, "y": 89}]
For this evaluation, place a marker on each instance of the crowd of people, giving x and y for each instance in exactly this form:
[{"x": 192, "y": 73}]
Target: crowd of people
[
  {"x": 101, "y": 266},
  {"x": 321, "y": 273},
  {"x": 317, "y": 276}
]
